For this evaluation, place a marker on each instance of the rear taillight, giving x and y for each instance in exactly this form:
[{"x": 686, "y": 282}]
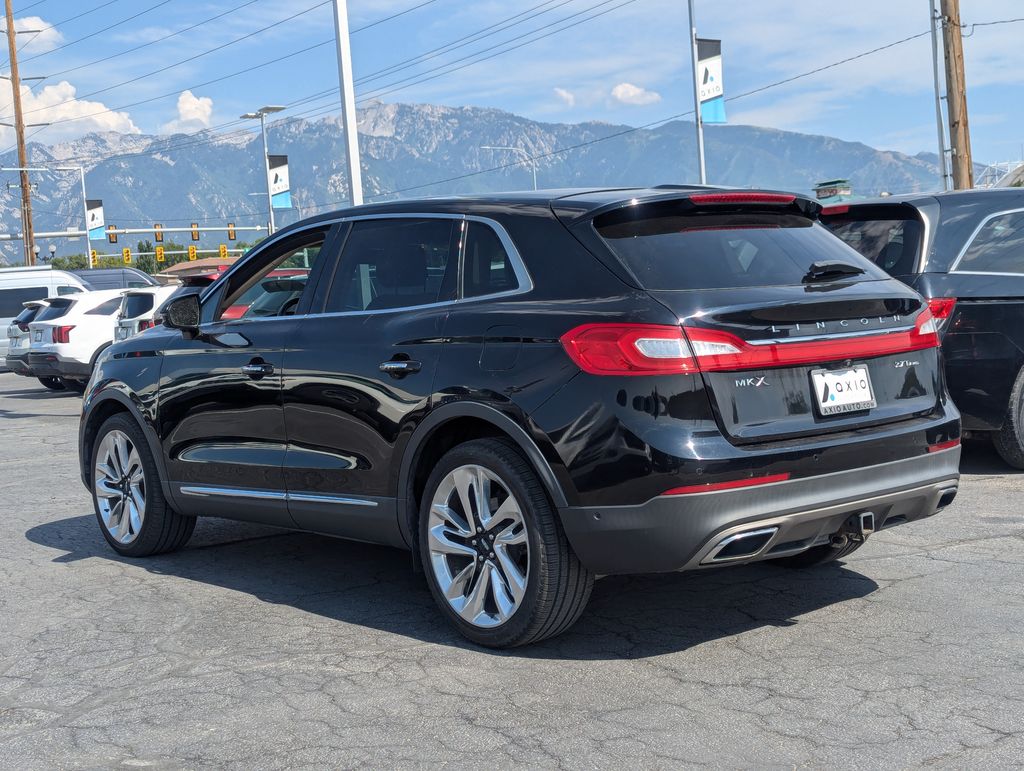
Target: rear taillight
[
  {"x": 942, "y": 310},
  {"x": 629, "y": 349},
  {"x": 62, "y": 334},
  {"x": 649, "y": 349},
  {"x": 145, "y": 324},
  {"x": 22, "y": 326}
]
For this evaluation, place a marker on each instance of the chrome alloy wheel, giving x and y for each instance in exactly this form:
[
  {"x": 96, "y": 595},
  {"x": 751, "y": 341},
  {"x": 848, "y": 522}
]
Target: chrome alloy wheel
[
  {"x": 478, "y": 545},
  {"x": 120, "y": 485}
]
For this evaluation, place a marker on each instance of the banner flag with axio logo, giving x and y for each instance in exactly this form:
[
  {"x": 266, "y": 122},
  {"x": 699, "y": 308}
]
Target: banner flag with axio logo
[
  {"x": 709, "y": 80},
  {"x": 94, "y": 214},
  {"x": 280, "y": 187}
]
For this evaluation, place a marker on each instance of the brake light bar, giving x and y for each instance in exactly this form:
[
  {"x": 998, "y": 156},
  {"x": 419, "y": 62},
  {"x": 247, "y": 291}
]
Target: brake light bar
[
  {"x": 62, "y": 334},
  {"x": 839, "y": 208},
  {"x": 711, "y": 487},
  {"x": 656, "y": 349},
  {"x": 734, "y": 198}
]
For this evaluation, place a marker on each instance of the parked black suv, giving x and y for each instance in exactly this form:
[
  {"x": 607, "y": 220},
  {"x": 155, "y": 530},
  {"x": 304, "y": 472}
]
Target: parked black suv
[
  {"x": 964, "y": 251},
  {"x": 529, "y": 390}
]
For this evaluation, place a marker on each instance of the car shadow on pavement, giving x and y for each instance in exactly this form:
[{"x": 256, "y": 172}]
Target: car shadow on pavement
[
  {"x": 374, "y": 586},
  {"x": 979, "y": 458}
]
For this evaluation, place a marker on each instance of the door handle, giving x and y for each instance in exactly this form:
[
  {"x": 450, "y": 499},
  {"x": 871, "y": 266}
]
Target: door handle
[
  {"x": 257, "y": 369},
  {"x": 400, "y": 367}
]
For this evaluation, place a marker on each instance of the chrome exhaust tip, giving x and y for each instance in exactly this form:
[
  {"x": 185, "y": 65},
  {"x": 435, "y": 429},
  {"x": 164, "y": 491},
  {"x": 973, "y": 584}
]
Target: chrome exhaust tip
[{"x": 740, "y": 546}]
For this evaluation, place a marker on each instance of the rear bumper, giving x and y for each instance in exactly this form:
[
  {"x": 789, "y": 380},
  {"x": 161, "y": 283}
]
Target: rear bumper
[
  {"x": 43, "y": 364},
  {"x": 682, "y": 532},
  {"x": 18, "y": 364}
]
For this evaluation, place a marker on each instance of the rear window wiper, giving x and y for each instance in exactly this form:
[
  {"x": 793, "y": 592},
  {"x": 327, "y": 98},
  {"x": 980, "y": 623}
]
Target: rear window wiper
[{"x": 827, "y": 270}]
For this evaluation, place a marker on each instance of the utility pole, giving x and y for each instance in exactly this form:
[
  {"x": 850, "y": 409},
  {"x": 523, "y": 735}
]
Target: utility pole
[
  {"x": 348, "y": 100},
  {"x": 956, "y": 96},
  {"x": 936, "y": 78},
  {"x": 19, "y": 128},
  {"x": 696, "y": 99}
]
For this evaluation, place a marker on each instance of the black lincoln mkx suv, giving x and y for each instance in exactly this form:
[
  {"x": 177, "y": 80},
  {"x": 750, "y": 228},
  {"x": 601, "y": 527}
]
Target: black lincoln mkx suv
[{"x": 531, "y": 390}]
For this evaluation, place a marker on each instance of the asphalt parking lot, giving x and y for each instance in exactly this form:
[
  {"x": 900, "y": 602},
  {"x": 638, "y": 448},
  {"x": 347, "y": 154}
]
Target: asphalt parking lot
[{"x": 261, "y": 648}]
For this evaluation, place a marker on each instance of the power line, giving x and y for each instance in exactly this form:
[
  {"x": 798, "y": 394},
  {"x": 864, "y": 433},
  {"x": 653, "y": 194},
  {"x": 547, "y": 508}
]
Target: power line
[
  {"x": 31, "y": 5},
  {"x": 157, "y": 40},
  {"x": 183, "y": 61},
  {"x": 99, "y": 31}
]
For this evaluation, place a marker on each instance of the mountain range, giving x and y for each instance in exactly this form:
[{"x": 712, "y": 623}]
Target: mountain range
[{"x": 419, "y": 149}]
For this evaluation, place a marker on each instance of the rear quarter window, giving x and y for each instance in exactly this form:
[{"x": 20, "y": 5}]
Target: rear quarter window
[
  {"x": 12, "y": 300},
  {"x": 998, "y": 246},
  {"x": 107, "y": 308},
  {"x": 721, "y": 250}
]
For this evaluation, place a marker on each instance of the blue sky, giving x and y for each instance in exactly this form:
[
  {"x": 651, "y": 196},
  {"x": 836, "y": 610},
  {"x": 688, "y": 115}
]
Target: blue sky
[{"x": 624, "y": 61}]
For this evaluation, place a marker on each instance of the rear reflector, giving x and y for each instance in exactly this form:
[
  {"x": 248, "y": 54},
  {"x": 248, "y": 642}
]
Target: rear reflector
[
  {"x": 703, "y": 199},
  {"x": 733, "y": 485},
  {"x": 145, "y": 324},
  {"x": 655, "y": 349},
  {"x": 62, "y": 334},
  {"x": 944, "y": 445}
]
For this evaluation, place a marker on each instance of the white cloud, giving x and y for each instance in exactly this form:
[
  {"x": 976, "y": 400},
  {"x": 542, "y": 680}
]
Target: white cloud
[
  {"x": 567, "y": 97},
  {"x": 195, "y": 113},
  {"x": 627, "y": 93},
  {"x": 71, "y": 117},
  {"x": 34, "y": 43}
]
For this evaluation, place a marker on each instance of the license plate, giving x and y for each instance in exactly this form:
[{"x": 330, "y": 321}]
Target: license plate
[
  {"x": 38, "y": 336},
  {"x": 122, "y": 333},
  {"x": 837, "y": 391}
]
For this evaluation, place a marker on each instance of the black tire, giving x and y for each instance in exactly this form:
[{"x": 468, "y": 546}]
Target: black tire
[
  {"x": 558, "y": 585},
  {"x": 163, "y": 529},
  {"x": 76, "y": 386},
  {"x": 1009, "y": 440},
  {"x": 52, "y": 383},
  {"x": 817, "y": 555}
]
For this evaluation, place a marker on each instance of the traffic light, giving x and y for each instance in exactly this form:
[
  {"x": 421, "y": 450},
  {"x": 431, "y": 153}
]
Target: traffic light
[
  {"x": 191, "y": 252},
  {"x": 158, "y": 233},
  {"x": 111, "y": 235},
  {"x": 223, "y": 251},
  {"x": 195, "y": 231},
  {"x": 94, "y": 259},
  {"x": 126, "y": 255},
  {"x": 159, "y": 254},
  {"x": 231, "y": 231}
]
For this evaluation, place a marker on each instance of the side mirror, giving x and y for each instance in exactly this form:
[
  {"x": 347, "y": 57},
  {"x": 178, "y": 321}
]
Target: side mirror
[{"x": 182, "y": 313}]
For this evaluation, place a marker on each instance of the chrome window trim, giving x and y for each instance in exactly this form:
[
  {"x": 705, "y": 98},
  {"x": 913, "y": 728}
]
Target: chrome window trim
[
  {"x": 974, "y": 236},
  {"x": 987, "y": 273},
  {"x": 203, "y": 491},
  {"x": 927, "y": 212},
  {"x": 832, "y": 336}
]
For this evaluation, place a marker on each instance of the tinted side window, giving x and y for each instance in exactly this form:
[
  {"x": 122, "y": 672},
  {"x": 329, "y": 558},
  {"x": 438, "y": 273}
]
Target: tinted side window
[
  {"x": 998, "y": 247},
  {"x": 136, "y": 304},
  {"x": 11, "y": 299},
  {"x": 487, "y": 268},
  {"x": 394, "y": 263},
  {"x": 892, "y": 244},
  {"x": 107, "y": 308}
]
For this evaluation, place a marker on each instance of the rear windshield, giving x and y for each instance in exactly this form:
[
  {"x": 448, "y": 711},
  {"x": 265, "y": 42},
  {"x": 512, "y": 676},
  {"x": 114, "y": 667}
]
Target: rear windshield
[
  {"x": 27, "y": 314},
  {"x": 720, "y": 250},
  {"x": 57, "y": 308},
  {"x": 136, "y": 304},
  {"x": 892, "y": 244}
]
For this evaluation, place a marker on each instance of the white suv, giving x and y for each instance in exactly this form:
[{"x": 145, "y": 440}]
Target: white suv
[
  {"x": 138, "y": 309},
  {"x": 69, "y": 334},
  {"x": 18, "y": 335}
]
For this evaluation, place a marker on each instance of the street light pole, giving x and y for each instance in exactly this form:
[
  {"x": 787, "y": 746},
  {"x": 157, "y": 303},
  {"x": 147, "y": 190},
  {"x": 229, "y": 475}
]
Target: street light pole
[
  {"x": 935, "y": 17},
  {"x": 529, "y": 158},
  {"x": 696, "y": 99},
  {"x": 348, "y": 100},
  {"x": 262, "y": 114},
  {"x": 85, "y": 207}
]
